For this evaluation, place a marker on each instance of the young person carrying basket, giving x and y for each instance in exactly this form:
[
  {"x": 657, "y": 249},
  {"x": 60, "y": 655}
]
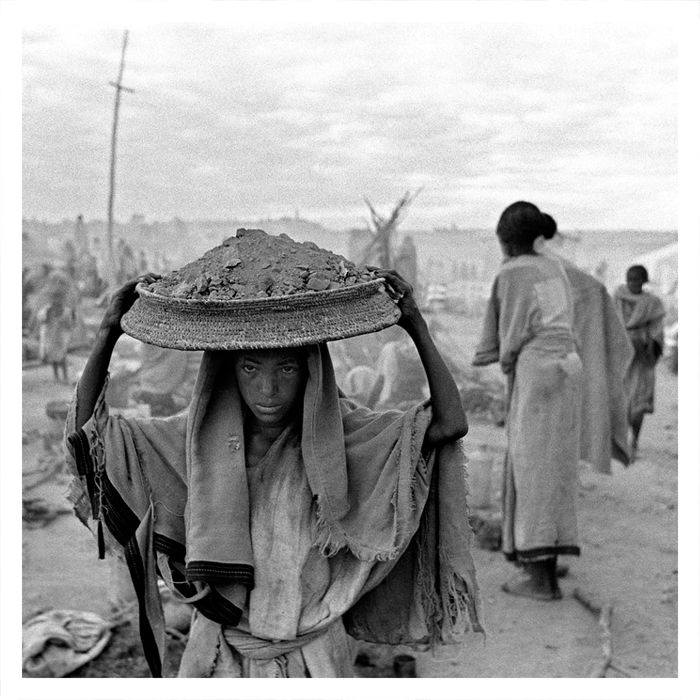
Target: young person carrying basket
[{"x": 290, "y": 517}]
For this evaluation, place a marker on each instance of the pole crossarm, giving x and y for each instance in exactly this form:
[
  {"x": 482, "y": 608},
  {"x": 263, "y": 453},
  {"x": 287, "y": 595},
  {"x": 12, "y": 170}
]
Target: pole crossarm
[{"x": 122, "y": 87}]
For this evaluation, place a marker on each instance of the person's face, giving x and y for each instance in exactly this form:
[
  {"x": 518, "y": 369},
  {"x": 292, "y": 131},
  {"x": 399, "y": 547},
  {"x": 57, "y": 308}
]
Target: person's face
[
  {"x": 635, "y": 281},
  {"x": 271, "y": 383}
]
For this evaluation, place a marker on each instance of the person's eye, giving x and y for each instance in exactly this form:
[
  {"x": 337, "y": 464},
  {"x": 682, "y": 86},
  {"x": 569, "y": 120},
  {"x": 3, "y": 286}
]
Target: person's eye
[
  {"x": 248, "y": 369},
  {"x": 290, "y": 369}
]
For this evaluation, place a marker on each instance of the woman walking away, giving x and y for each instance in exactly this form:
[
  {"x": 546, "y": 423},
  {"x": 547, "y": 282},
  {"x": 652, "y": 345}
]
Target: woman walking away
[
  {"x": 642, "y": 313},
  {"x": 528, "y": 328},
  {"x": 287, "y": 514}
]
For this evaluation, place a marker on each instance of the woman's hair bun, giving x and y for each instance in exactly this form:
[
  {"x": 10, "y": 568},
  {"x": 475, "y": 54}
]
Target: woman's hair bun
[
  {"x": 549, "y": 226},
  {"x": 523, "y": 222}
]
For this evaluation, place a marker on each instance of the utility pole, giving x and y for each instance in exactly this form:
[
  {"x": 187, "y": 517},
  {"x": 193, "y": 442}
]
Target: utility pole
[{"x": 112, "y": 167}]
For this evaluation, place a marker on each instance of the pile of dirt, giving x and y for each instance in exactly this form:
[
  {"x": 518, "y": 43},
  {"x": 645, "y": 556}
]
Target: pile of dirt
[{"x": 254, "y": 264}]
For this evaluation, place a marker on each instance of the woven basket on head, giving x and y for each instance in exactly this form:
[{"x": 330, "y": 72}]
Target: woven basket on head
[{"x": 272, "y": 322}]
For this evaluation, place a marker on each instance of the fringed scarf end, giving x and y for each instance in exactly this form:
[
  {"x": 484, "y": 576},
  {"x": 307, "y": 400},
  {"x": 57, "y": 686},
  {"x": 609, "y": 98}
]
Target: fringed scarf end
[
  {"x": 460, "y": 601},
  {"x": 330, "y": 540}
]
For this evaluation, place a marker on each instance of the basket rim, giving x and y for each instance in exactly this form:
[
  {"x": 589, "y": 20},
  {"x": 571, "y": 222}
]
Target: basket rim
[
  {"x": 350, "y": 290},
  {"x": 196, "y": 325}
]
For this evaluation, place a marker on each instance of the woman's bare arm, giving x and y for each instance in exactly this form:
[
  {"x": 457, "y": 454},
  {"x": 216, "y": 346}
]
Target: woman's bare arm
[
  {"x": 93, "y": 377},
  {"x": 449, "y": 421}
]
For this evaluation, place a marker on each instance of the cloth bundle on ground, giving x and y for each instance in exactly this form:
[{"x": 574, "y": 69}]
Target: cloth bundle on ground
[
  {"x": 643, "y": 316},
  {"x": 342, "y": 523},
  {"x": 57, "y": 642}
]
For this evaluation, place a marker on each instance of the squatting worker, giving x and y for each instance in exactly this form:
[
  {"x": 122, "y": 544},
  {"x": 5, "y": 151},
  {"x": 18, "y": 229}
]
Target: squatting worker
[
  {"x": 287, "y": 514},
  {"x": 642, "y": 313},
  {"x": 528, "y": 329}
]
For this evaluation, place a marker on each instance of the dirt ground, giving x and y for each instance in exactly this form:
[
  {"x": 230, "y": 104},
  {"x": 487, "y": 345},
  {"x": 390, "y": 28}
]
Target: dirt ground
[{"x": 628, "y": 527}]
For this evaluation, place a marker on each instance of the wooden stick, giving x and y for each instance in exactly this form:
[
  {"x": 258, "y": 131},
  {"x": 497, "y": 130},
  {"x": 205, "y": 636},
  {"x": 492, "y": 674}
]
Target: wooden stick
[
  {"x": 620, "y": 670},
  {"x": 604, "y": 612}
]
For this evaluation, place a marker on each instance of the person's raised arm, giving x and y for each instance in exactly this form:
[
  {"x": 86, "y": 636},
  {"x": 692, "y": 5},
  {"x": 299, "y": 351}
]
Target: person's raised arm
[
  {"x": 93, "y": 377},
  {"x": 449, "y": 421}
]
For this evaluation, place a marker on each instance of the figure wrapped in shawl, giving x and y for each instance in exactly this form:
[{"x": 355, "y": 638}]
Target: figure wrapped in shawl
[
  {"x": 528, "y": 328},
  {"x": 285, "y": 513},
  {"x": 642, "y": 313}
]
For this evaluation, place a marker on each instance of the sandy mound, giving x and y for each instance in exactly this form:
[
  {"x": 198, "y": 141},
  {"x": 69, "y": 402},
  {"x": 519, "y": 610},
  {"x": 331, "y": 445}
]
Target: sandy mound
[{"x": 253, "y": 264}]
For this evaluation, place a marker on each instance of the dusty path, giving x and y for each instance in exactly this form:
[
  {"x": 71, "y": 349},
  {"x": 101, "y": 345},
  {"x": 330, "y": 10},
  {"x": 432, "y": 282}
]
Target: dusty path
[{"x": 628, "y": 525}]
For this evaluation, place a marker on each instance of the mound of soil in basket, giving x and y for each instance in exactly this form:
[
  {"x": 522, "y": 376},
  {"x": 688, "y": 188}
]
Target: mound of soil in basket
[{"x": 254, "y": 264}]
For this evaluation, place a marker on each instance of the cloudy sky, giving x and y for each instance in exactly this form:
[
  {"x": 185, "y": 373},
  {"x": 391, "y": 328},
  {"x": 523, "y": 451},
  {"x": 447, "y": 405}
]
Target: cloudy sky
[{"x": 259, "y": 118}]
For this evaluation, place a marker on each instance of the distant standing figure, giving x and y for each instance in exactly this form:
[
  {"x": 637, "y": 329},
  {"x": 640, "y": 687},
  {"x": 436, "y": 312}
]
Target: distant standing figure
[
  {"x": 93, "y": 285},
  {"x": 407, "y": 260},
  {"x": 128, "y": 265},
  {"x": 56, "y": 324},
  {"x": 529, "y": 328},
  {"x": 70, "y": 259},
  {"x": 143, "y": 261},
  {"x": 642, "y": 313}
]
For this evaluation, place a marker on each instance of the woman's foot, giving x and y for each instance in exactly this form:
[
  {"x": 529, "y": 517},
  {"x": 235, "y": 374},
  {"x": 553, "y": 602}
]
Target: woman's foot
[
  {"x": 561, "y": 569},
  {"x": 538, "y": 581},
  {"x": 525, "y": 587}
]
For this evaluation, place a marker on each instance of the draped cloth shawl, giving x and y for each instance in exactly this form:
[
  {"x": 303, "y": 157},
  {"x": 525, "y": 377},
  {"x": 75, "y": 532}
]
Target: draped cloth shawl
[
  {"x": 647, "y": 308},
  {"x": 606, "y": 353},
  {"x": 173, "y": 492}
]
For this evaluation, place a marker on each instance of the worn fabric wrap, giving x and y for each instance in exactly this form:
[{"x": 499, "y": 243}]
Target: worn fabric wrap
[
  {"x": 529, "y": 328},
  {"x": 540, "y": 475},
  {"x": 342, "y": 502},
  {"x": 606, "y": 354}
]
